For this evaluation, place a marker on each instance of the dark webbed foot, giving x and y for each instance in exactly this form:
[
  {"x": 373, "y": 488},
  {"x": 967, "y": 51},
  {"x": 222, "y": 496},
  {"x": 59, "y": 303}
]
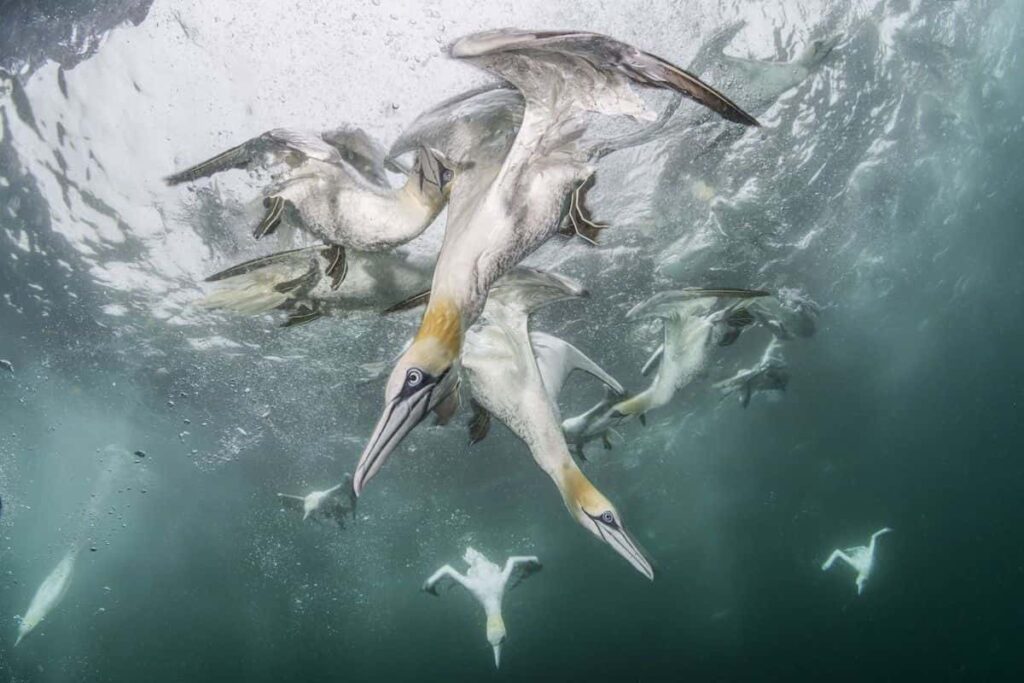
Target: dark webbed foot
[
  {"x": 578, "y": 221},
  {"x": 303, "y": 314},
  {"x": 337, "y": 264},
  {"x": 272, "y": 219}
]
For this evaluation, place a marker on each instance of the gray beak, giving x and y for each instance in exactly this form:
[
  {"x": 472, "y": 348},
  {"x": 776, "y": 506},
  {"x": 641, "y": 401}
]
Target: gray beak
[
  {"x": 497, "y": 656},
  {"x": 624, "y": 545},
  {"x": 400, "y": 416}
]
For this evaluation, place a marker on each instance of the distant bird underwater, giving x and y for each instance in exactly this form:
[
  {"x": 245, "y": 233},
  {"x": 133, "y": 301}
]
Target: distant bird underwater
[
  {"x": 861, "y": 559},
  {"x": 334, "y": 503},
  {"x": 487, "y": 582},
  {"x": 49, "y": 594}
]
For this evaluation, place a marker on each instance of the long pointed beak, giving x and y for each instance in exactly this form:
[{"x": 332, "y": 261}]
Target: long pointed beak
[
  {"x": 398, "y": 419},
  {"x": 624, "y": 545},
  {"x": 497, "y": 656}
]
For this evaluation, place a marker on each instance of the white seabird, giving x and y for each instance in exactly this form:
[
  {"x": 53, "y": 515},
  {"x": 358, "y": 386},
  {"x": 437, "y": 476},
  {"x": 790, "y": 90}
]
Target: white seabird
[
  {"x": 487, "y": 582},
  {"x": 298, "y": 283},
  {"x": 505, "y": 380},
  {"x": 333, "y": 503},
  {"x": 861, "y": 558},
  {"x": 336, "y": 189},
  {"x": 491, "y": 227},
  {"x": 769, "y": 374},
  {"x": 49, "y": 594}
]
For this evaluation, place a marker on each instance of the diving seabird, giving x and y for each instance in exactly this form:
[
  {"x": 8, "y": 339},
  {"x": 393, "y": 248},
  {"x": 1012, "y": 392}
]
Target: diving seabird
[
  {"x": 861, "y": 558},
  {"x": 505, "y": 380},
  {"x": 333, "y": 503},
  {"x": 49, "y": 594},
  {"x": 487, "y": 582},
  {"x": 691, "y": 329},
  {"x": 770, "y": 374},
  {"x": 336, "y": 188},
  {"x": 491, "y": 227},
  {"x": 298, "y": 283}
]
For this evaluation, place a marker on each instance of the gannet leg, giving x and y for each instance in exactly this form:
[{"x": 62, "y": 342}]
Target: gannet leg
[
  {"x": 837, "y": 554},
  {"x": 337, "y": 264},
  {"x": 303, "y": 314},
  {"x": 578, "y": 221},
  {"x": 479, "y": 424},
  {"x": 441, "y": 576},
  {"x": 272, "y": 219}
]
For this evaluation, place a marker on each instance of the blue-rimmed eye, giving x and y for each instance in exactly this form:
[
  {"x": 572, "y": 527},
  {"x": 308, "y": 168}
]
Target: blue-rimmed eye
[
  {"x": 607, "y": 518},
  {"x": 447, "y": 175},
  {"x": 413, "y": 378}
]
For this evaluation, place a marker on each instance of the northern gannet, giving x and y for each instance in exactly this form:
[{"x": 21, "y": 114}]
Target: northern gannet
[
  {"x": 336, "y": 189},
  {"x": 298, "y": 283},
  {"x": 487, "y": 582},
  {"x": 861, "y": 558},
  {"x": 690, "y": 329},
  {"x": 788, "y": 314},
  {"x": 770, "y": 374},
  {"x": 333, "y": 503},
  {"x": 505, "y": 380},
  {"x": 492, "y": 226},
  {"x": 49, "y": 594}
]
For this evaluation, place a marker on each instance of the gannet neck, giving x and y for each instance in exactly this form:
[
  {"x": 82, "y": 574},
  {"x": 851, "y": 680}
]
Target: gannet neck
[{"x": 441, "y": 329}]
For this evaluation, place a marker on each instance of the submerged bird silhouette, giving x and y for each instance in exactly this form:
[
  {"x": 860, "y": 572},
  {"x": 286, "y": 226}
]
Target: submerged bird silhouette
[
  {"x": 487, "y": 582},
  {"x": 49, "y": 594},
  {"x": 769, "y": 374},
  {"x": 861, "y": 558},
  {"x": 492, "y": 226},
  {"x": 333, "y": 503}
]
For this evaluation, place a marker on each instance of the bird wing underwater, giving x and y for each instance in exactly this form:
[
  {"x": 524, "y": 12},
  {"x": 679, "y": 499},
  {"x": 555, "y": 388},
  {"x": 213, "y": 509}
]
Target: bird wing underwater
[
  {"x": 557, "y": 359},
  {"x": 346, "y": 146},
  {"x": 443, "y": 579},
  {"x": 519, "y": 568},
  {"x": 296, "y": 281},
  {"x": 563, "y": 76},
  {"x": 290, "y": 501},
  {"x": 476, "y": 126}
]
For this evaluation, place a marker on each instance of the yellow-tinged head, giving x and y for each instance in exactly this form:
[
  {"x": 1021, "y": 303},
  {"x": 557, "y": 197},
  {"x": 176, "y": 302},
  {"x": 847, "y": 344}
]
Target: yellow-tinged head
[
  {"x": 596, "y": 514},
  {"x": 421, "y": 380},
  {"x": 496, "y": 636}
]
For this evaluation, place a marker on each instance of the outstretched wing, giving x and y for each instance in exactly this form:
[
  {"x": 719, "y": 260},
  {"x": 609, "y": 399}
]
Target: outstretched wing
[
  {"x": 519, "y": 567},
  {"x": 443, "y": 579},
  {"x": 271, "y": 147},
  {"x": 476, "y": 126},
  {"x": 557, "y": 359},
  {"x": 594, "y": 70},
  {"x": 291, "y": 502}
]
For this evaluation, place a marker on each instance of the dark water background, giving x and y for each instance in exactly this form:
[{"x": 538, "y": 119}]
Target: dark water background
[{"x": 888, "y": 186}]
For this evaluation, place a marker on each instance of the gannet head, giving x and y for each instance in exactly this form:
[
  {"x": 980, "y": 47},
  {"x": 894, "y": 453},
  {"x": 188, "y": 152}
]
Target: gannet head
[
  {"x": 472, "y": 556},
  {"x": 597, "y": 515},
  {"x": 496, "y": 636},
  {"x": 433, "y": 173},
  {"x": 424, "y": 376}
]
